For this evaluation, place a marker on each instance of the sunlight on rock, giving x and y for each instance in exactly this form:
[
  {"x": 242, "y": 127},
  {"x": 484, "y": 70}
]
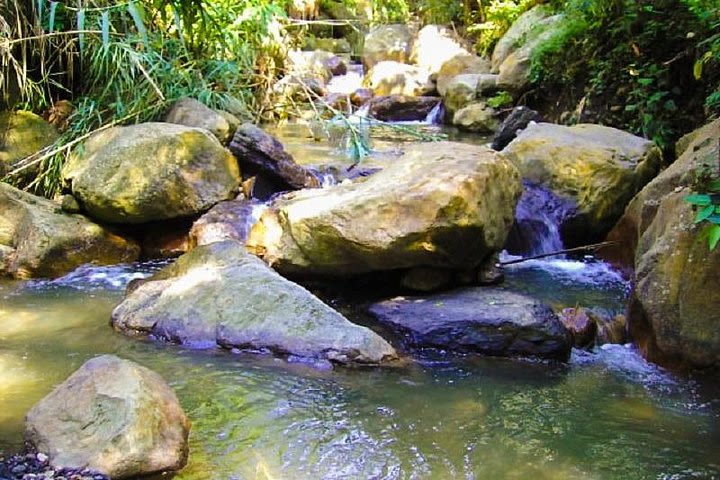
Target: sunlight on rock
[{"x": 192, "y": 279}]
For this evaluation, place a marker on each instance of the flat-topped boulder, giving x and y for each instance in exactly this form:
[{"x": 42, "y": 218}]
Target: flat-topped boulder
[
  {"x": 600, "y": 168},
  {"x": 443, "y": 204},
  {"x": 38, "y": 239},
  {"x": 149, "y": 172},
  {"x": 113, "y": 416},
  {"x": 219, "y": 295},
  {"x": 482, "y": 320}
]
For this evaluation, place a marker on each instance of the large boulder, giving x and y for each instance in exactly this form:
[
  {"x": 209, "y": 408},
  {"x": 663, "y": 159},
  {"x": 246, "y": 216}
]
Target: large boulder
[
  {"x": 393, "y": 108},
  {"x": 476, "y": 117},
  {"x": 151, "y": 171},
  {"x": 259, "y": 153},
  {"x": 523, "y": 27},
  {"x": 192, "y": 113},
  {"x": 675, "y": 314},
  {"x": 434, "y": 45},
  {"x": 394, "y": 78},
  {"x": 21, "y": 135},
  {"x": 485, "y": 320},
  {"x": 37, "y": 239},
  {"x": 387, "y": 42},
  {"x": 460, "y": 64},
  {"x": 442, "y": 204},
  {"x": 113, "y": 416},
  {"x": 220, "y": 295},
  {"x": 600, "y": 168}
]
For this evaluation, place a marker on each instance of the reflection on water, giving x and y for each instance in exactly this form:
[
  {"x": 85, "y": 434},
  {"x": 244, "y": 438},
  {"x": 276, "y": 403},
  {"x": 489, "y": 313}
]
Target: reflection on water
[{"x": 606, "y": 415}]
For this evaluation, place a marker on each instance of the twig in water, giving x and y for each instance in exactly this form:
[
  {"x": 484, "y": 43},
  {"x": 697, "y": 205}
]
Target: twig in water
[{"x": 593, "y": 246}]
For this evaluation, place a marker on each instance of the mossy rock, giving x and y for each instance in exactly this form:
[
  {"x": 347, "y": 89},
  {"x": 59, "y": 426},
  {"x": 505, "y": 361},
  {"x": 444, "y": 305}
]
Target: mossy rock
[{"x": 21, "y": 135}]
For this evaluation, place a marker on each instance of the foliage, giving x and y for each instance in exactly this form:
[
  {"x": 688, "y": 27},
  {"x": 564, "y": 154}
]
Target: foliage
[
  {"x": 500, "y": 99},
  {"x": 630, "y": 62},
  {"x": 126, "y": 62},
  {"x": 706, "y": 200},
  {"x": 390, "y": 11},
  {"x": 495, "y": 19}
]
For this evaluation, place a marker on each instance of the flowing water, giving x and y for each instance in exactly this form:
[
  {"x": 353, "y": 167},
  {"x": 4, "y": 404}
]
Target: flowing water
[{"x": 606, "y": 414}]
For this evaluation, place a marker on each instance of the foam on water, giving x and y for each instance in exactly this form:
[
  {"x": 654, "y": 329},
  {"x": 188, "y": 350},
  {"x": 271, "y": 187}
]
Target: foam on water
[{"x": 95, "y": 277}]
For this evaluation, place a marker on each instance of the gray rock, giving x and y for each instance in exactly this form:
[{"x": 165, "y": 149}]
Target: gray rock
[
  {"x": 518, "y": 119},
  {"x": 485, "y": 320},
  {"x": 219, "y": 295},
  {"x": 387, "y": 42},
  {"x": 192, "y": 113},
  {"x": 393, "y": 108}
]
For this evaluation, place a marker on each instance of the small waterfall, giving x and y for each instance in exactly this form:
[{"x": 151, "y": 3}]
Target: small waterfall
[
  {"x": 348, "y": 83},
  {"x": 538, "y": 218},
  {"x": 435, "y": 116}
]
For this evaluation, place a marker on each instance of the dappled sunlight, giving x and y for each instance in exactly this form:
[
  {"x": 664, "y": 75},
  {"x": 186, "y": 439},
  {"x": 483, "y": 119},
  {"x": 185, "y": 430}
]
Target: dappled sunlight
[{"x": 192, "y": 279}]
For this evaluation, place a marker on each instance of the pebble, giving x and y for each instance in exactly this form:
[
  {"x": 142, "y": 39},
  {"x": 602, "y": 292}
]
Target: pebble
[{"x": 34, "y": 466}]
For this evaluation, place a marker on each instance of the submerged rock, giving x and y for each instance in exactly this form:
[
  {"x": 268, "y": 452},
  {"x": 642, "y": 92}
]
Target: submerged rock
[
  {"x": 598, "y": 167},
  {"x": 114, "y": 416},
  {"x": 443, "y": 204},
  {"x": 192, "y": 113},
  {"x": 675, "y": 313},
  {"x": 220, "y": 295},
  {"x": 485, "y": 320},
  {"x": 22, "y": 134},
  {"x": 37, "y": 239},
  {"x": 396, "y": 108},
  {"x": 151, "y": 171},
  {"x": 259, "y": 153},
  {"x": 387, "y": 42}
]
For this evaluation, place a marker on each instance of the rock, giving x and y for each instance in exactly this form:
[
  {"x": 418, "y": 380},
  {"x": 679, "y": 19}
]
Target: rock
[
  {"x": 460, "y": 64},
  {"x": 610, "y": 329},
  {"x": 230, "y": 220},
  {"x": 582, "y": 328},
  {"x": 393, "y": 78},
  {"x": 191, "y": 113},
  {"x": 149, "y": 172},
  {"x": 675, "y": 312},
  {"x": 114, "y": 416},
  {"x": 332, "y": 45},
  {"x": 476, "y": 117},
  {"x": 443, "y": 204},
  {"x": 485, "y": 320},
  {"x": 434, "y": 45},
  {"x": 317, "y": 64},
  {"x": 393, "y": 108},
  {"x": 523, "y": 27},
  {"x": 219, "y": 295},
  {"x": 69, "y": 204},
  {"x": 518, "y": 119},
  {"x": 166, "y": 240},
  {"x": 463, "y": 90},
  {"x": 21, "y": 135},
  {"x": 40, "y": 240},
  {"x": 361, "y": 96},
  {"x": 600, "y": 168},
  {"x": 387, "y": 42},
  {"x": 514, "y": 72},
  {"x": 259, "y": 153},
  {"x": 425, "y": 279}
]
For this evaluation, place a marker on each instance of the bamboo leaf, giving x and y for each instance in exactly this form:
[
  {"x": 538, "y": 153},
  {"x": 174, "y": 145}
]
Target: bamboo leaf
[
  {"x": 714, "y": 236},
  {"x": 704, "y": 213},
  {"x": 134, "y": 12},
  {"x": 178, "y": 24},
  {"x": 40, "y": 5},
  {"x": 51, "y": 22},
  {"x": 700, "y": 199},
  {"x": 105, "y": 27},
  {"x": 81, "y": 27}
]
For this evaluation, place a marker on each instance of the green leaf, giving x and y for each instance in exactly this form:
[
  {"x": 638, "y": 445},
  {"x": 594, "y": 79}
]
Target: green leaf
[
  {"x": 645, "y": 81},
  {"x": 51, "y": 22},
  {"x": 700, "y": 199},
  {"x": 631, "y": 108},
  {"x": 704, "y": 213},
  {"x": 178, "y": 24},
  {"x": 713, "y": 236},
  {"x": 714, "y": 186},
  {"x": 697, "y": 69},
  {"x": 134, "y": 12},
  {"x": 40, "y": 4},
  {"x": 105, "y": 27},
  {"x": 714, "y": 219},
  {"x": 81, "y": 27}
]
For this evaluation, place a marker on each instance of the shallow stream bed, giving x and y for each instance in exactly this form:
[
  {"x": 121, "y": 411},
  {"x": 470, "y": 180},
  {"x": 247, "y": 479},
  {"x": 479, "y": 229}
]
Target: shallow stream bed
[{"x": 605, "y": 415}]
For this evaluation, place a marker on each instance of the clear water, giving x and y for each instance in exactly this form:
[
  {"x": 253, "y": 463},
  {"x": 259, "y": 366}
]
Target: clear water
[{"x": 605, "y": 415}]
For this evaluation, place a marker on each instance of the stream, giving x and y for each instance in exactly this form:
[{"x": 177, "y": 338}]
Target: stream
[{"x": 607, "y": 414}]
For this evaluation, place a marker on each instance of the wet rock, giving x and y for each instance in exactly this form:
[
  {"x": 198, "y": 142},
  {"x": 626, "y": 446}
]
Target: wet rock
[
  {"x": 230, "y": 220},
  {"x": 39, "y": 240},
  {"x": 460, "y": 64},
  {"x": 581, "y": 326},
  {"x": 21, "y": 135},
  {"x": 192, "y": 113},
  {"x": 387, "y": 42},
  {"x": 393, "y": 108},
  {"x": 114, "y": 416},
  {"x": 518, "y": 119},
  {"x": 611, "y": 329},
  {"x": 219, "y": 295},
  {"x": 434, "y": 45},
  {"x": 259, "y": 153},
  {"x": 675, "y": 311},
  {"x": 393, "y": 78},
  {"x": 149, "y": 172},
  {"x": 443, "y": 205},
  {"x": 488, "y": 321},
  {"x": 35, "y": 466},
  {"x": 598, "y": 167},
  {"x": 476, "y": 117}
]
